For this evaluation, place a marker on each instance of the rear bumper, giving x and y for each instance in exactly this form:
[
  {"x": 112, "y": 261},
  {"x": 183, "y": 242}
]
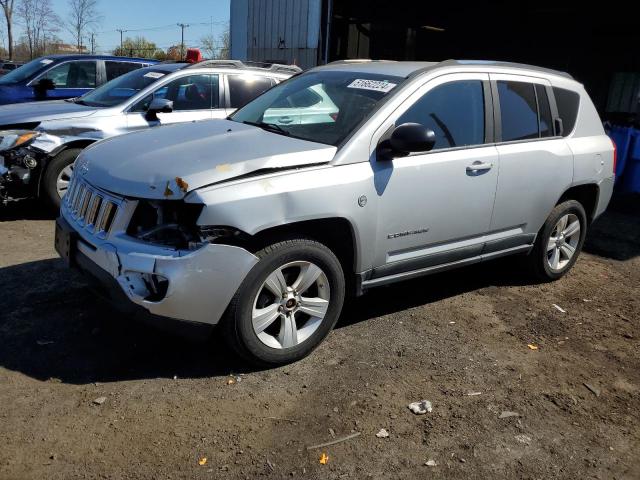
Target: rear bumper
[{"x": 193, "y": 286}]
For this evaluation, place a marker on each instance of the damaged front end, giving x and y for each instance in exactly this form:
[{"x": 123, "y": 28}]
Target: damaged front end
[
  {"x": 20, "y": 165},
  {"x": 172, "y": 223},
  {"x": 152, "y": 251}
]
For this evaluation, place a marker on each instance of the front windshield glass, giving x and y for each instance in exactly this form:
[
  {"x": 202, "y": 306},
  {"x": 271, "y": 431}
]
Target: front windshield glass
[
  {"x": 322, "y": 106},
  {"x": 26, "y": 71},
  {"x": 121, "y": 88}
]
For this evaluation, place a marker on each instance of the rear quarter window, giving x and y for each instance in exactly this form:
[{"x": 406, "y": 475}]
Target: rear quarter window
[
  {"x": 244, "y": 88},
  {"x": 115, "y": 69},
  {"x": 568, "y": 103}
]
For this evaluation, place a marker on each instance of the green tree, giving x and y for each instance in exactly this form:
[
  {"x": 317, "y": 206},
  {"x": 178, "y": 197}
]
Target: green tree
[{"x": 136, "y": 47}]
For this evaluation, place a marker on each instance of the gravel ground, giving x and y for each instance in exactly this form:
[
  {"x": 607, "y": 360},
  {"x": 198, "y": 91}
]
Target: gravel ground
[{"x": 458, "y": 339}]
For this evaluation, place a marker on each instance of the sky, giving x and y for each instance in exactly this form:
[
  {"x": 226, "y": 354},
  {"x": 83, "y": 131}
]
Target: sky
[{"x": 154, "y": 19}]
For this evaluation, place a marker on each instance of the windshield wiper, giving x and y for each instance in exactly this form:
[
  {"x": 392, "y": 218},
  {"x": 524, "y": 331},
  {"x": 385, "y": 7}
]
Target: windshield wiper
[{"x": 271, "y": 127}]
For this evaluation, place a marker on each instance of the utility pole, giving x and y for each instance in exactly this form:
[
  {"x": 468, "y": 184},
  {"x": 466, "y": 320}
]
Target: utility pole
[
  {"x": 182, "y": 26},
  {"x": 93, "y": 44},
  {"x": 121, "y": 32}
]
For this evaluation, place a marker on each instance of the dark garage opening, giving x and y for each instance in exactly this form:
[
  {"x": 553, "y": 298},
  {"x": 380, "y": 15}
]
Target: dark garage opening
[{"x": 598, "y": 45}]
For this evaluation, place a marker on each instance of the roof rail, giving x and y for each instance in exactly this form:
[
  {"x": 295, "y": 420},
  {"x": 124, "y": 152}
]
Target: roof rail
[
  {"x": 497, "y": 63},
  {"x": 272, "y": 67},
  {"x": 359, "y": 60}
]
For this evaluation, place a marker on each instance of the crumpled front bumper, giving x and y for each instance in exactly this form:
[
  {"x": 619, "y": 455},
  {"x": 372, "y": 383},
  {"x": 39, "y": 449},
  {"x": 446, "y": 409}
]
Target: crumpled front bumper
[{"x": 197, "y": 285}]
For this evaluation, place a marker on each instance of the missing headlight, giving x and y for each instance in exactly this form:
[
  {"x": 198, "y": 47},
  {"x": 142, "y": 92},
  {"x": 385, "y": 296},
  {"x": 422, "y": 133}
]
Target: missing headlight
[{"x": 166, "y": 222}]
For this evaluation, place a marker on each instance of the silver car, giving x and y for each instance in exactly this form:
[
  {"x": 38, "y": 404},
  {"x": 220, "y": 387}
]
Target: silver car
[
  {"x": 262, "y": 227},
  {"x": 40, "y": 141}
]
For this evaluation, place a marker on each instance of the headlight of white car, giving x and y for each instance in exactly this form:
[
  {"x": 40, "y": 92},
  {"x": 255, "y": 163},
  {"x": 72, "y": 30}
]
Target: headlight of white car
[{"x": 10, "y": 139}]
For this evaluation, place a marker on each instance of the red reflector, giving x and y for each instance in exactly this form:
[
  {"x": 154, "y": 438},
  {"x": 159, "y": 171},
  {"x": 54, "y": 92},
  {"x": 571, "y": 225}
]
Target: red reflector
[
  {"x": 334, "y": 116},
  {"x": 615, "y": 156}
]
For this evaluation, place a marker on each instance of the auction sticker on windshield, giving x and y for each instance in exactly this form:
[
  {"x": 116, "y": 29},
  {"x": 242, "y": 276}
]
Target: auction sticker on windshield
[
  {"x": 375, "y": 85},
  {"x": 154, "y": 75}
]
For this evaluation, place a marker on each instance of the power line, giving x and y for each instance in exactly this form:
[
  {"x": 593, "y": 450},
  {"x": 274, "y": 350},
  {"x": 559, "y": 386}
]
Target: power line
[{"x": 160, "y": 27}]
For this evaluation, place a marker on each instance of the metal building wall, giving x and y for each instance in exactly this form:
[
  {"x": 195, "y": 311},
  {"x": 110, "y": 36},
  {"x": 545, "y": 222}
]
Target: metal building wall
[{"x": 282, "y": 31}]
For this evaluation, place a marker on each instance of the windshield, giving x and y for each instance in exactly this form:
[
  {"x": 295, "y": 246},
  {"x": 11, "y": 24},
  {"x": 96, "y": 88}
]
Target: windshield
[
  {"x": 121, "y": 88},
  {"x": 322, "y": 106},
  {"x": 26, "y": 71}
]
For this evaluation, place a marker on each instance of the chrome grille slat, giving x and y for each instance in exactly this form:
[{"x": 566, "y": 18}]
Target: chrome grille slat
[
  {"x": 84, "y": 205},
  {"x": 69, "y": 196},
  {"x": 104, "y": 216},
  {"x": 93, "y": 210},
  {"x": 77, "y": 198}
]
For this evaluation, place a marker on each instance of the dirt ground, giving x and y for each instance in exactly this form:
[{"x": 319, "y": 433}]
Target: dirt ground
[{"x": 169, "y": 402}]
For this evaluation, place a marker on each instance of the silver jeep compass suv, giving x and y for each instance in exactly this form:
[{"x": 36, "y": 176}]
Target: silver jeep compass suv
[{"x": 351, "y": 175}]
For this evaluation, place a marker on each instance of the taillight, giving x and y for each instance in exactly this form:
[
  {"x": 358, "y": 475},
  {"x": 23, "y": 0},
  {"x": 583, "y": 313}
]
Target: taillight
[
  {"x": 334, "y": 116},
  {"x": 615, "y": 156}
]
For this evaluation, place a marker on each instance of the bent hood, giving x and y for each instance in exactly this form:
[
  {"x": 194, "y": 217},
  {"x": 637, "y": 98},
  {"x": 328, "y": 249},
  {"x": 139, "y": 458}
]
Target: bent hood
[
  {"x": 41, "y": 111},
  {"x": 168, "y": 162}
]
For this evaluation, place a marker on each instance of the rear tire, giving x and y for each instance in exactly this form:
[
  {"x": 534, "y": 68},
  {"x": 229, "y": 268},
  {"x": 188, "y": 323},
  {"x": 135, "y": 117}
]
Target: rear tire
[
  {"x": 559, "y": 241},
  {"x": 57, "y": 177},
  {"x": 287, "y": 304}
]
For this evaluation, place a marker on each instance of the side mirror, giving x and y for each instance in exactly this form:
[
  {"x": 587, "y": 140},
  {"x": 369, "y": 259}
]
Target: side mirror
[
  {"x": 41, "y": 87},
  {"x": 158, "y": 105},
  {"x": 411, "y": 137}
]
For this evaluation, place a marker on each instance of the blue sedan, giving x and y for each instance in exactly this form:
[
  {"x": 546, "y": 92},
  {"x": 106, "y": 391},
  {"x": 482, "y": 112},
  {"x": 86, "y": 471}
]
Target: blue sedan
[{"x": 56, "y": 77}]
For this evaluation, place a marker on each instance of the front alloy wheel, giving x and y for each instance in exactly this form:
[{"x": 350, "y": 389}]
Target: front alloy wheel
[
  {"x": 287, "y": 304},
  {"x": 64, "y": 179},
  {"x": 291, "y": 304}
]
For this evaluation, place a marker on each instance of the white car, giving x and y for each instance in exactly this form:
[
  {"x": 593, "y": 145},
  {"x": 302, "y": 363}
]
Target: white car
[{"x": 309, "y": 106}]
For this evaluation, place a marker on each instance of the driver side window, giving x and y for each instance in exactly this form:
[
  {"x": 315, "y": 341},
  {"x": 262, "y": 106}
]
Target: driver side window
[
  {"x": 454, "y": 111},
  {"x": 73, "y": 75}
]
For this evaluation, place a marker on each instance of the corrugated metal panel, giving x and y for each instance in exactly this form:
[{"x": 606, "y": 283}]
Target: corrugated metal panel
[
  {"x": 277, "y": 30},
  {"x": 624, "y": 93},
  {"x": 239, "y": 17}
]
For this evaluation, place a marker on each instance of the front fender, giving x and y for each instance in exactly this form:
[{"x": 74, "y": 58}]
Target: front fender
[{"x": 256, "y": 204}]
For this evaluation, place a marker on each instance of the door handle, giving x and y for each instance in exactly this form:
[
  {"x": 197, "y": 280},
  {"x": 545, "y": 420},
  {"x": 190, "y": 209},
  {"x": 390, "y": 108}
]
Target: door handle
[
  {"x": 479, "y": 166},
  {"x": 285, "y": 120}
]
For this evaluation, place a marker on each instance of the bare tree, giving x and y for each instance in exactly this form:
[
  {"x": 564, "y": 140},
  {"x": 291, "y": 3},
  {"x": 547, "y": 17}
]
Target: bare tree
[
  {"x": 217, "y": 48},
  {"x": 7, "y": 7},
  {"x": 208, "y": 46},
  {"x": 82, "y": 16},
  {"x": 39, "y": 21}
]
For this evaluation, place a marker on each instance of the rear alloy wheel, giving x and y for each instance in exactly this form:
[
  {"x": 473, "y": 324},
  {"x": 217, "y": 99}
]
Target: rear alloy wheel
[
  {"x": 562, "y": 244},
  {"x": 560, "y": 241},
  {"x": 287, "y": 304}
]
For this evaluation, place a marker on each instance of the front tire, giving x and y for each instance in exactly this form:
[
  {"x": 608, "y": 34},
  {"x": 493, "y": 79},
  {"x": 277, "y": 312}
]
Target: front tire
[
  {"x": 57, "y": 177},
  {"x": 287, "y": 304},
  {"x": 559, "y": 241}
]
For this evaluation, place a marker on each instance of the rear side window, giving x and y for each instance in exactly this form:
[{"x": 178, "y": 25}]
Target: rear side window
[
  {"x": 244, "y": 88},
  {"x": 454, "y": 111},
  {"x": 115, "y": 69},
  {"x": 568, "y": 103},
  {"x": 519, "y": 111}
]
